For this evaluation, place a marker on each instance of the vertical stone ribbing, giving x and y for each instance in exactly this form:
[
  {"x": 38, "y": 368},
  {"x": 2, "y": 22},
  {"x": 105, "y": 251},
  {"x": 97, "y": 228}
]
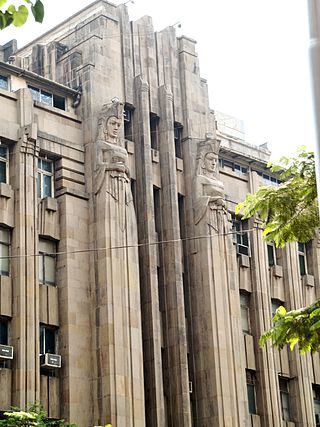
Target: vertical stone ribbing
[
  {"x": 25, "y": 323},
  {"x": 174, "y": 322},
  {"x": 148, "y": 261}
]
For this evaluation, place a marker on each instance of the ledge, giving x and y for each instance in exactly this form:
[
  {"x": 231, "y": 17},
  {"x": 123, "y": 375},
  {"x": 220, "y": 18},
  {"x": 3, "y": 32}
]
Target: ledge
[
  {"x": 179, "y": 164},
  {"x": 50, "y": 204},
  {"x": 276, "y": 270},
  {"x": 155, "y": 155},
  {"x": 307, "y": 280},
  {"x": 6, "y": 190}
]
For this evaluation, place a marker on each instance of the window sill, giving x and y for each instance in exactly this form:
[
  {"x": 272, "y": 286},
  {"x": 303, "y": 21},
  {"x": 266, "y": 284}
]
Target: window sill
[
  {"x": 6, "y": 190},
  {"x": 277, "y": 270},
  {"x": 50, "y": 204},
  {"x": 307, "y": 280}
]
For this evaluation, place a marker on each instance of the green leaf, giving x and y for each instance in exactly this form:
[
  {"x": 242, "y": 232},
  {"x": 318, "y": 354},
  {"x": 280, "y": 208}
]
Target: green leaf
[
  {"x": 20, "y": 16},
  {"x": 38, "y": 11},
  {"x": 281, "y": 311},
  {"x": 2, "y": 2},
  {"x": 293, "y": 342}
]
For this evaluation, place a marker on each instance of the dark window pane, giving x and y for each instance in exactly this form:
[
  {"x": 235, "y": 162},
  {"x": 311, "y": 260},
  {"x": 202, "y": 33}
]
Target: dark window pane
[
  {"x": 50, "y": 344},
  {"x": 47, "y": 187},
  {"x": 3, "y": 171},
  {"x": 3, "y": 332},
  {"x": 35, "y": 93},
  {"x": 3, "y": 82},
  {"x": 4, "y": 262},
  {"x": 271, "y": 260},
  {"x": 251, "y": 399},
  {"x": 46, "y": 166},
  {"x": 3, "y": 151},
  {"x": 59, "y": 102},
  {"x": 302, "y": 265},
  {"x": 39, "y": 185},
  {"x": 46, "y": 98}
]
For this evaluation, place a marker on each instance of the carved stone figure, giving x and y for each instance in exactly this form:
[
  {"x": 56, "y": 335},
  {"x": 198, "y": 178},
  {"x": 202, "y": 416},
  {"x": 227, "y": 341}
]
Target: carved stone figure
[
  {"x": 119, "y": 340},
  {"x": 209, "y": 191}
]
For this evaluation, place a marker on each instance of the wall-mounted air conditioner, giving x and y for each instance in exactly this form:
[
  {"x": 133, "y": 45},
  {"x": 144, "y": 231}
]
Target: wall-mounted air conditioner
[
  {"x": 50, "y": 361},
  {"x": 6, "y": 352}
]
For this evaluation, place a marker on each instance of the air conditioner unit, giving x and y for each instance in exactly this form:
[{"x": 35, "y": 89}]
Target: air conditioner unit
[
  {"x": 190, "y": 386},
  {"x": 6, "y": 352},
  {"x": 50, "y": 361},
  {"x": 127, "y": 116},
  {"x": 243, "y": 250}
]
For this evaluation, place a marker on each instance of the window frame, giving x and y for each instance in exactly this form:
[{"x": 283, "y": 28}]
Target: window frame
[
  {"x": 302, "y": 258},
  {"x": 44, "y": 330},
  {"x": 241, "y": 236},
  {"x": 4, "y": 79},
  {"x": 284, "y": 392},
  {"x": 177, "y": 134},
  {"x": 251, "y": 381},
  {"x": 5, "y": 244},
  {"x": 42, "y": 173},
  {"x": 245, "y": 311},
  {"x": 154, "y": 131},
  {"x": 5, "y": 160},
  {"x": 40, "y": 95},
  {"x": 42, "y": 265}
]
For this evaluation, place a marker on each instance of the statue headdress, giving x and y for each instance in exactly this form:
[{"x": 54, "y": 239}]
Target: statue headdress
[
  {"x": 209, "y": 145},
  {"x": 113, "y": 109}
]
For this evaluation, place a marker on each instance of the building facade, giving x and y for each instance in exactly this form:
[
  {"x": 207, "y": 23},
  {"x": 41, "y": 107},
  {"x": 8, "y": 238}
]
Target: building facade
[{"x": 130, "y": 292}]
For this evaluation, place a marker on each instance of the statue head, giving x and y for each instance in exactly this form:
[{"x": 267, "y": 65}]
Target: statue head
[
  {"x": 110, "y": 121},
  {"x": 207, "y": 156}
]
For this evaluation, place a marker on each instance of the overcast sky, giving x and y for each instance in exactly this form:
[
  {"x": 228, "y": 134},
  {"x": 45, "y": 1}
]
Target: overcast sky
[{"x": 254, "y": 54}]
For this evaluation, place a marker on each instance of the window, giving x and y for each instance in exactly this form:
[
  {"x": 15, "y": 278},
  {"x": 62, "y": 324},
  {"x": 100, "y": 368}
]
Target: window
[
  {"x": 245, "y": 312},
  {"x": 4, "y": 252},
  {"x": 228, "y": 164},
  {"x": 271, "y": 254},
  {"x": 47, "y": 98},
  {"x": 154, "y": 131},
  {"x": 45, "y": 178},
  {"x": 241, "y": 237},
  {"x": 284, "y": 398},
  {"x": 4, "y": 163},
  {"x": 128, "y": 125},
  {"x": 302, "y": 257},
  {"x": 268, "y": 179},
  {"x": 316, "y": 403},
  {"x": 275, "y": 304},
  {"x": 47, "y": 262},
  {"x": 4, "y": 82},
  {"x": 47, "y": 339},
  {"x": 251, "y": 391},
  {"x": 178, "y": 139},
  {"x": 4, "y": 334}
]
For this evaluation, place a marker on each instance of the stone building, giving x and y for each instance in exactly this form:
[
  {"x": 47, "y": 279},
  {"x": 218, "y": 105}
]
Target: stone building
[{"x": 122, "y": 262}]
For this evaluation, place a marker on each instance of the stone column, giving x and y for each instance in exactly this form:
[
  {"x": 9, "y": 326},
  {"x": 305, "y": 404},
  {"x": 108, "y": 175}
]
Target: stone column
[
  {"x": 174, "y": 326},
  {"x": 217, "y": 345},
  {"x": 25, "y": 322},
  {"x": 148, "y": 261}
]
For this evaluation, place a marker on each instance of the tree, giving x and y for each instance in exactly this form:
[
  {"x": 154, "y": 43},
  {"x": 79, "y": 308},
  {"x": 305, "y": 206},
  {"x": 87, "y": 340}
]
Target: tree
[
  {"x": 290, "y": 214},
  {"x": 18, "y": 16},
  {"x": 34, "y": 416}
]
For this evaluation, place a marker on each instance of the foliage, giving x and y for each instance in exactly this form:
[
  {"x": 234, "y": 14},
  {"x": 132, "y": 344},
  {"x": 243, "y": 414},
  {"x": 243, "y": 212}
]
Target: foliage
[
  {"x": 295, "y": 327},
  {"x": 34, "y": 416},
  {"x": 289, "y": 211},
  {"x": 18, "y": 16},
  {"x": 290, "y": 214}
]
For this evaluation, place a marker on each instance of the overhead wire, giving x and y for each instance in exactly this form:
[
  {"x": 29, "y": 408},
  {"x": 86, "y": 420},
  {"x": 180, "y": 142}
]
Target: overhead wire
[{"x": 138, "y": 245}]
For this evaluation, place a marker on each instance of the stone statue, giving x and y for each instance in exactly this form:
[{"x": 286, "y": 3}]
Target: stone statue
[
  {"x": 119, "y": 336},
  {"x": 208, "y": 190}
]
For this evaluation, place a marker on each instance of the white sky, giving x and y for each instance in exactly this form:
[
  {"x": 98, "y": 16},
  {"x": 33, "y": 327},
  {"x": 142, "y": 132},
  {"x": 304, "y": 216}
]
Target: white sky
[{"x": 254, "y": 54}]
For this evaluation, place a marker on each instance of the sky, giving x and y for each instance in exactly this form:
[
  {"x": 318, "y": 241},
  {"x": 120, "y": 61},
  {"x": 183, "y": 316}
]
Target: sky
[{"x": 253, "y": 53}]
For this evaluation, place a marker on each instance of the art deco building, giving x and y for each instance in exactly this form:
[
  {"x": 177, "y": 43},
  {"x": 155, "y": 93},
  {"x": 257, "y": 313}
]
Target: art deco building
[{"x": 130, "y": 292}]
